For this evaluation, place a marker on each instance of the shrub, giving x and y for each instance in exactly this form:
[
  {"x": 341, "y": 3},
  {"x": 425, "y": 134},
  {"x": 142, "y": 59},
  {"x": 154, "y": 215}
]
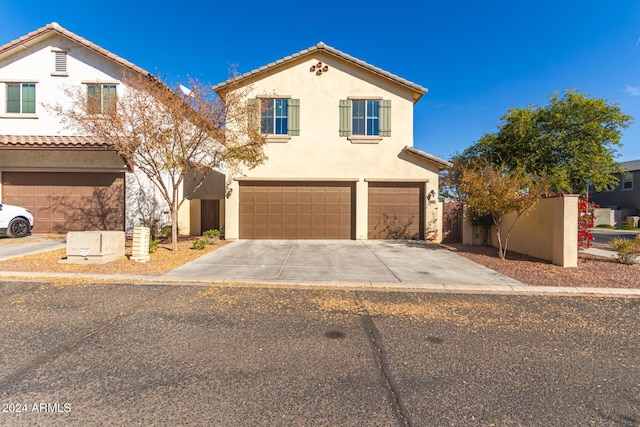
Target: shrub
[
  {"x": 628, "y": 250},
  {"x": 605, "y": 226},
  {"x": 212, "y": 234},
  {"x": 165, "y": 231},
  {"x": 586, "y": 217},
  {"x": 200, "y": 243},
  {"x": 627, "y": 227},
  {"x": 153, "y": 246}
]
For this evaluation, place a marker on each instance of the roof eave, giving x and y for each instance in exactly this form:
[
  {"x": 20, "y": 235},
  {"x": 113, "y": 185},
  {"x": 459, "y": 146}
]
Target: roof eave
[
  {"x": 43, "y": 32},
  {"x": 441, "y": 163}
]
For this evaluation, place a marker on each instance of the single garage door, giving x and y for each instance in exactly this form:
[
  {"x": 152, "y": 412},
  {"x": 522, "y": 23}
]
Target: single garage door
[
  {"x": 297, "y": 210},
  {"x": 68, "y": 201},
  {"x": 396, "y": 210}
]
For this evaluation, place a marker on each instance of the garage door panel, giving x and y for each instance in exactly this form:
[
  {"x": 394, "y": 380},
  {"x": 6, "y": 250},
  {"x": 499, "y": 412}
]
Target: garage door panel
[
  {"x": 301, "y": 210},
  {"x": 396, "y": 210},
  {"x": 67, "y": 201}
]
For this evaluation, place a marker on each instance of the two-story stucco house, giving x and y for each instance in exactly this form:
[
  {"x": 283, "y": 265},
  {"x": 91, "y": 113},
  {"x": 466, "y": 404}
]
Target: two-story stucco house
[
  {"x": 341, "y": 162},
  {"x": 69, "y": 181}
]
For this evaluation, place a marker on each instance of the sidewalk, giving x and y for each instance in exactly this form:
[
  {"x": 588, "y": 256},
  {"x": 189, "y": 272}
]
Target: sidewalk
[
  {"x": 445, "y": 274},
  {"x": 522, "y": 290}
]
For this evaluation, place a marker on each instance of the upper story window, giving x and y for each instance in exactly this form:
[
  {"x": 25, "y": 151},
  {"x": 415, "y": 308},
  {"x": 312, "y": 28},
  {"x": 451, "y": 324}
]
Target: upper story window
[
  {"x": 21, "y": 98},
  {"x": 274, "y": 116},
  {"x": 365, "y": 120},
  {"x": 627, "y": 181},
  {"x": 101, "y": 98},
  {"x": 366, "y": 117},
  {"x": 279, "y": 117}
]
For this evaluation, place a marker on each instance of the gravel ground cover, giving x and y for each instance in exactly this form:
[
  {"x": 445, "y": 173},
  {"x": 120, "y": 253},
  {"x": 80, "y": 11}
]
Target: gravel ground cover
[
  {"x": 162, "y": 261},
  {"x": 592, "y": 271}
]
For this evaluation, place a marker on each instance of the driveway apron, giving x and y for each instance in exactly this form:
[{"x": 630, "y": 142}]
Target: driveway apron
[{"x": 372, "y": 261}]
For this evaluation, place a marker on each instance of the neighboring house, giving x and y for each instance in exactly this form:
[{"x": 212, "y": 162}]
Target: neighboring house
[
  {"x": 625, "y": 198},
  {"x": 69, "y": 181},
  {"x": 341, "y": 162}
]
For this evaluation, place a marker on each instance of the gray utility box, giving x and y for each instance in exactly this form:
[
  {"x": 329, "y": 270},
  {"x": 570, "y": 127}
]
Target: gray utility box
[{"x": 84, "y": 247}]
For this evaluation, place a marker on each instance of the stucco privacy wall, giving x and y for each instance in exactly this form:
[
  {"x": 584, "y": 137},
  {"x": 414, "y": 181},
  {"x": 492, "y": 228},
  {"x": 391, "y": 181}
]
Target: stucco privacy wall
[
  {"x": 319, "y": 152},
  {"x": 549, "y": 231}
]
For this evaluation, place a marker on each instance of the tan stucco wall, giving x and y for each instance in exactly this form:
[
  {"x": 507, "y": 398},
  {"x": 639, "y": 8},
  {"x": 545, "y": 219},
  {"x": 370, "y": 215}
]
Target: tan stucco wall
[
  {"x": 549, "y": 231},
  {"x": 319, "y": 152}
]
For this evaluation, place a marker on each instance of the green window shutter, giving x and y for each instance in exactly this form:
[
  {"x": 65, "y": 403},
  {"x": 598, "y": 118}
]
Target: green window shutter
[
  {"x": 29, "y": 98},
  {"x": 294, "y": 117},
  {"x": 385, "y": 117},
  {"x": 13, "y": 98},
  {"x": 345, "y": 117}
]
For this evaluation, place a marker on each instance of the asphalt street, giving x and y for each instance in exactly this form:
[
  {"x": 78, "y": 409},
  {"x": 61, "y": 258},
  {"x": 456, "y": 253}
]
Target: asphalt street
[{"x": 122, "y": 354}]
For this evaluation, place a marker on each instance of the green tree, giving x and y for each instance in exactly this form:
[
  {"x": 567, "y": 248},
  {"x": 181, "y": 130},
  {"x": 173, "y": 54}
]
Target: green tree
[
  {"x": 571, "y": 141},
  {"x": 493, "y": 190}
]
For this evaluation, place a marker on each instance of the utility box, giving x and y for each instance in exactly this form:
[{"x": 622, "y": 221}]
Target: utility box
[
  {"x": 94, "y": 247},
  {"x": 633, "y": 220},
  {"x": 140, "y": 246}
]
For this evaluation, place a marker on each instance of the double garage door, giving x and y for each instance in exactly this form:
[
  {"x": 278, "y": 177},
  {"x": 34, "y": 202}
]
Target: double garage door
[
  {"x": 326, "y": 210},
  {"x": 68, "y": 201},
  {"x": 297, "y": 210}
]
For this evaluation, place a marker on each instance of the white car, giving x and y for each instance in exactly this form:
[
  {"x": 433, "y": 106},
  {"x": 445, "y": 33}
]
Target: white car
[{"x": 15, "y": 221}]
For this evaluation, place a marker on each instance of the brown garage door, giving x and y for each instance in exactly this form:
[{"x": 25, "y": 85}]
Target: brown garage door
[
  {"x": 300, "y": 210},
  {"x": 396, "y": 210},
  {"x": 68, "y": 201}
]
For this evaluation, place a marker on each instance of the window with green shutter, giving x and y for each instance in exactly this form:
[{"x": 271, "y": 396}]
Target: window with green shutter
[
  {"x": 365, "y": 117},
  {"x": 21, "y": 98},
  {"x": 280, "y": 116}
]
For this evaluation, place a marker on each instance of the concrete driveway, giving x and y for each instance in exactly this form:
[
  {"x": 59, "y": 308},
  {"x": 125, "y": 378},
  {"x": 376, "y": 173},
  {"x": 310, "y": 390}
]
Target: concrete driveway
[
  {"x": 36, "y": 243},
  {"x": 309, "y": 261}
]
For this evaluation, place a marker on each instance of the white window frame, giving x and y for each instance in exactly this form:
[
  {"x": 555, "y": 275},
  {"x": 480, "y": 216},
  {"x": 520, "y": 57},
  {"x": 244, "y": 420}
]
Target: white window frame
[{"x": 627, "y": 181}]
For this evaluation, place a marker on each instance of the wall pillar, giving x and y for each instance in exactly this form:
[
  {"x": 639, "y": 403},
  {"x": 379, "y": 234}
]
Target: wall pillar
[
  {"x": 362, "y": 210},
  {"x": 565, "y": 231}
]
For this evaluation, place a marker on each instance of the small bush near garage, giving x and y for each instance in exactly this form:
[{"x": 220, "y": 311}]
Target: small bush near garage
[
  {"x": 209, "y": 237},
  {"x": 628, "y": 250}
]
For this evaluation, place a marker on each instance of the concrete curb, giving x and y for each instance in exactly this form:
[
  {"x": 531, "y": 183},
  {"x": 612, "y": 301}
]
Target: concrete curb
[{"x": 462, "y": 288}]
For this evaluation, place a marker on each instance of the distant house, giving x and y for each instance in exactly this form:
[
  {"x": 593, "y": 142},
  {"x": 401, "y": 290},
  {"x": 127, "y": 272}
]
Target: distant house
[{"x": 626, "y": 196}]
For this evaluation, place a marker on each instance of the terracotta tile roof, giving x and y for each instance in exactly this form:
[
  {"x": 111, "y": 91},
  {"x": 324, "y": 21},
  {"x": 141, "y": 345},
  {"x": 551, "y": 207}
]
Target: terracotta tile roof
[
  {"x": 55, "y": 142},
  {"x": 321, "y": 47},
  {"x": 54, "y": 27}
]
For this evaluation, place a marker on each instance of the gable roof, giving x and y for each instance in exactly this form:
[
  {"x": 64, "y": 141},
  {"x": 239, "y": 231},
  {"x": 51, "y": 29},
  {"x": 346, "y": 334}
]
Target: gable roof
[
  {"x": 321, "y": 47},
  {"x": 633, "y": 165},
  {"x": 54, "y": 28}
]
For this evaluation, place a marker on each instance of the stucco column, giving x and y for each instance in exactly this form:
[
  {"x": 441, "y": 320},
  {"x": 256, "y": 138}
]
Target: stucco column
[
  {"x": 232, "y": 212},
  {"x": 565, "y": 231},
  {"x": 362, "y": 209}
]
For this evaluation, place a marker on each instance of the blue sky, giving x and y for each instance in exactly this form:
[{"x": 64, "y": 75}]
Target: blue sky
[{"x": 478, "y": 59}]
